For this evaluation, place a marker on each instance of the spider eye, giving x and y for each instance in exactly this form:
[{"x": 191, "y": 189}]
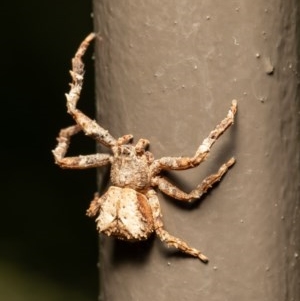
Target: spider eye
[{"x": 125, "y": 150}]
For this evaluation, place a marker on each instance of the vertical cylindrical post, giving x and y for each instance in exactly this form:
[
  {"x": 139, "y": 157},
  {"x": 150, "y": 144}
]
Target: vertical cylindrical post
[{"x": 167, "y": 71}]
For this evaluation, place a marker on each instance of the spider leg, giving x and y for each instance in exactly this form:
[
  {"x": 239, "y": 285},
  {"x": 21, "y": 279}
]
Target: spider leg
[
  {"x": 80, "y": 162},
  {"x": 181, "y": 163},
  {"x": 163, "y": 235},
  {"x": 124, "y": 139},
  {"x": 171, "y": 190},
  {"x": 89, "y": 126},
  {"x": 94, "y": 206},
  {"x": 141, "y": 145}
]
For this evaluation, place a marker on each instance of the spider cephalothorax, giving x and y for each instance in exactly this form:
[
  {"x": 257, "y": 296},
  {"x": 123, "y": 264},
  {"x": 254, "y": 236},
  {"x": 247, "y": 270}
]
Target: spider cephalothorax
[
  {"x": 130, "y": 208},
  {"x": 130, "y": 166}
]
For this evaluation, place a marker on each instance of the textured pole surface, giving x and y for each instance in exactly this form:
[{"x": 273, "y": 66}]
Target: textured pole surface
[{"x": 167, "y": 71}]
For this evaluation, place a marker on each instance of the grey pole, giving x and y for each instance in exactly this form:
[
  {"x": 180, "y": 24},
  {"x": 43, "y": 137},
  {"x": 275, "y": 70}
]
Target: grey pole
[{"x": 167, "y": 71}]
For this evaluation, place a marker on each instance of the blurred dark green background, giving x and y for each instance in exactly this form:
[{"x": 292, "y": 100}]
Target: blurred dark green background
[{"x": 48, "y": 246}]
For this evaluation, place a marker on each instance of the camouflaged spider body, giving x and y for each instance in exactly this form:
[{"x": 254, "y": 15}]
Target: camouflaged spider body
[{"x": 130, "y": 208}]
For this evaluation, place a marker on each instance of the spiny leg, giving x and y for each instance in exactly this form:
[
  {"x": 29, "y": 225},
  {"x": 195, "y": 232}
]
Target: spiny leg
[
  {"x": 171, "y": 190},
  {"x": 77, "y": 73},
  {"x": 181, "y": 163},
  {"x": 94, "y": 206},
  {"x": 63, "y": 140},
  {"x": 89, "y": 126},
  {"x": 79, "y": 162},
  {"x": 124, "y": 139},
  {"x": 164, "y": 236}
]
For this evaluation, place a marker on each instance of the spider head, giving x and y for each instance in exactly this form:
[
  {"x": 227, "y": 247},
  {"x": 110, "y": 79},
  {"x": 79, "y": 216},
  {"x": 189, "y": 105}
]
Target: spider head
[{"x": 126, "y": 150}]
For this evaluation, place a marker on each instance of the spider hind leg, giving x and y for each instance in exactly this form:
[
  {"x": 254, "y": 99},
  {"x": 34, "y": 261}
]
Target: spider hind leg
[{"x": 165, "y": 236}]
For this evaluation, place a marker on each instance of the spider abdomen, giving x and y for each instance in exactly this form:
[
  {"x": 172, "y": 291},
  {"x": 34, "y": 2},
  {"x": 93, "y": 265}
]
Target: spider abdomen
[{"x": 125, "y": 214}]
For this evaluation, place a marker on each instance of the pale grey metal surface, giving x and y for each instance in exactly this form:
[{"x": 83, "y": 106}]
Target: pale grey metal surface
[{"x": 167, "y": 71}]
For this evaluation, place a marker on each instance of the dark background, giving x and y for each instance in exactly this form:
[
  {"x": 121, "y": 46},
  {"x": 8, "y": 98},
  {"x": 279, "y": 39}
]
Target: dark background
[{"x": 48, "y": 246}]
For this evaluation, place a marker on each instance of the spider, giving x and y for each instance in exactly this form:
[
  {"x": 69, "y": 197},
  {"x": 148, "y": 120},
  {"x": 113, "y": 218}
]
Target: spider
[{"x": 130, "y": 209}]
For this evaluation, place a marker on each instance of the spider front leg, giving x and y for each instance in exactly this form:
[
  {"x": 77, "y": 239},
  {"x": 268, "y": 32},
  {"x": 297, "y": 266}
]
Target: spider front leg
[
  {"x": 165, "y": 236},
  {"x": 89, "y": 126},
  {"x": 79, "y": 162},
  {"x": 171, "y": 190},
  {"x": 181, "y": 163}
]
